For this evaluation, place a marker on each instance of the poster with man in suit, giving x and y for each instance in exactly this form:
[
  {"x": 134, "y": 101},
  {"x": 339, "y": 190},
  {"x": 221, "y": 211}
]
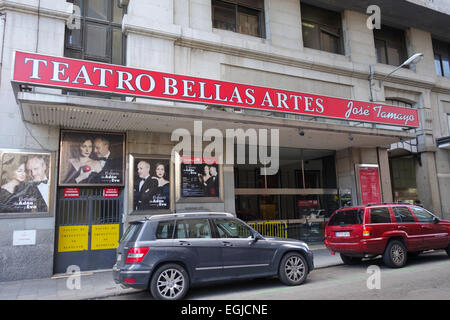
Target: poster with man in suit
[
  {"x": 91, "y": 158},
  {"x": 199, "y": 178},
  {"x": 151, "y": 184},
  {"x": 24, "y": 182}
]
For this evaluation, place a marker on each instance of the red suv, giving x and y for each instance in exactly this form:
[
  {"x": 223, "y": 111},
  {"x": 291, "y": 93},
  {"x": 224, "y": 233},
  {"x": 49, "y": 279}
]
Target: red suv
[{"x": 390, "y": 230}]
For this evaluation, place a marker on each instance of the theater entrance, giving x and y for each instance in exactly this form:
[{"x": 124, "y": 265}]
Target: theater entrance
[{"x": 88, "y": 228}]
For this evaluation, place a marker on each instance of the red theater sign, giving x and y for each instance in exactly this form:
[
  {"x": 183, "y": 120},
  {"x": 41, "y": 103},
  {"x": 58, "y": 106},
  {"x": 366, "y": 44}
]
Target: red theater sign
[{"x": 50, "y": 71}]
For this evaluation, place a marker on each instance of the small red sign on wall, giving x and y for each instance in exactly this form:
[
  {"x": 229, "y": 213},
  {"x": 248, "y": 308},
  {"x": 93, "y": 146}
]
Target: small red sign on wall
[
  {"x": 71, "y": 192},
  {"x": 308, "y": 203},
  {"x": 370, "y": 185},
  {"x": 111, "y": 192}
]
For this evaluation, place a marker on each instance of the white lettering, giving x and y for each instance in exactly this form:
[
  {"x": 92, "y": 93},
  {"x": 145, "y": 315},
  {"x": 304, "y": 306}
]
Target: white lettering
[
  {"x": 170, "y": 83},
  {"x": 218, "y": 86},
  {"x": 58, "y": 71},
  {"x": 236, "y": 95},
  {"x": 36, "y": 62},
  {"x": 103, "y": 75},
  {"x": 249, "y": 93},
  {"x": 126, "y": 81},
  {"x": 308, "y": 104},
  {"x": 83, "y": 74},
  {"x": 139, "y": 84},
  {"x": 282, "y": 97},
  {"x": 267, "y": 99},
  {"x": 319, "y": 103},
  {"x": 202, "y": 91},
  {"x": 187, "y": 88},
  {"x": 296, "y": 100}
]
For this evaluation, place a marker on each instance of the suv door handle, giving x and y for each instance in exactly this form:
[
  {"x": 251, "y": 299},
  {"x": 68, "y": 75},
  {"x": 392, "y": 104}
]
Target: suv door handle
[
  {"x": 227, "y": 244},
  {"x": 401, "y": 227},
  {"x": 184, "y": 243}
]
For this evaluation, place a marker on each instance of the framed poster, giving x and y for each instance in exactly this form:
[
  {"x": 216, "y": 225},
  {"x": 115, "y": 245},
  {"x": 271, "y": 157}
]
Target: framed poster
[
  {"x": 150, "y": 179},
  {"x": 91, "y": 158},
  {"x": 369, "y": 186},
  {"x": 199, "y": 179},
  {"x": 25, "y": 182}
]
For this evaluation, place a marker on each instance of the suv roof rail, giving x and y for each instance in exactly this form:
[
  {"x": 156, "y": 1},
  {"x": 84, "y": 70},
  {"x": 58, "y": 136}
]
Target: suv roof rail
[
  {"x": 385, "y": 203},
  {"x": 186, "y": 214}
]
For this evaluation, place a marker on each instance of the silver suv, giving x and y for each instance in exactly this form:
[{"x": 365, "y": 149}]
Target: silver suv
[{"x": 167, "y": 254}]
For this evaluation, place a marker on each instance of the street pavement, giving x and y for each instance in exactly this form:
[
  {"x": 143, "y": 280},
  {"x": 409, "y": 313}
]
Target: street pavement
[
  {"x": 424, "y": 277},
  {"x": 100, "y": 284}
]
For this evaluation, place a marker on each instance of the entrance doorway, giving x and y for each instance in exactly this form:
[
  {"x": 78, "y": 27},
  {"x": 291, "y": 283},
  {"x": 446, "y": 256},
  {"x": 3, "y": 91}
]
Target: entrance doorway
[{"x": 88, "y": 229}]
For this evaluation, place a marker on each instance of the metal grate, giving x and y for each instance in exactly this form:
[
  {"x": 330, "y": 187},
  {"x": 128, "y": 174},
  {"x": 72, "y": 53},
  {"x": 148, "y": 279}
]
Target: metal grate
[{"x": 89, "y": 208}]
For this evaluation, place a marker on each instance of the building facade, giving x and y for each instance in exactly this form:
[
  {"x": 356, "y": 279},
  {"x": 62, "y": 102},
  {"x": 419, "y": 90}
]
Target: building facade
[{"x": 318, "y": 54}]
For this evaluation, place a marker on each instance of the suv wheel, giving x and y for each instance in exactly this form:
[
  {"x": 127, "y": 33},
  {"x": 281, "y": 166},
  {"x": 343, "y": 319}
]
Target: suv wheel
[
  {"x": 395, "y": 254},
  {"x": 169, "y": 282},
  {"x": 293, "y": 269},
  {"x": 448, "y": 250},
  {"x": 350, "y": 260}
]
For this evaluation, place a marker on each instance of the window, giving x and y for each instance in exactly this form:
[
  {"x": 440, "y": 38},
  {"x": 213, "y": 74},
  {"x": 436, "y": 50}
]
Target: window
[
  {"x": 193, "y": 228},
  {"x": 242, "y": 16},
  {"x": 229, "y": 228},
  {"x": 448, "y": 122},
  {"x": 380, "y": 215},
  {"x": 422, "y": 215},
  {"x": 322, "y": 29},
  {"x": 403, "y": 215},
  {"x": 100, "y": 36},
  {"x": 165, "y": 230},
  {"x": 442, "y": 58},
  {"x": 390, "y": 45},
  {"x": 346, "y": 217},
  {"x": 132, "y": 232}
]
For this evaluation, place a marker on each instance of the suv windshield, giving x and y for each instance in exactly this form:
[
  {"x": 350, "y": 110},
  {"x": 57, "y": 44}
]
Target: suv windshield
[{"x": 346, "y": 217}]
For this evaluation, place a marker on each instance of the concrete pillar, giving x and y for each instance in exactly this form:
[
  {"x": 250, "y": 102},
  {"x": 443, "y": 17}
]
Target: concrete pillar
[
  {"x": 284, "y": 24},
  {"x": 420, "y": 41},
  {"x": 427, "y": 183},
  {"x": 385, "y": 175},
  {"x": 358, "y": 39},
  {"x": 346, "y": 161}
]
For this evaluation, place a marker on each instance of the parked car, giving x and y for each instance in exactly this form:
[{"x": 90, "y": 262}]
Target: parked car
[
  {"x": 167, "y": 254},
  {"x": 390, "y": 230}
]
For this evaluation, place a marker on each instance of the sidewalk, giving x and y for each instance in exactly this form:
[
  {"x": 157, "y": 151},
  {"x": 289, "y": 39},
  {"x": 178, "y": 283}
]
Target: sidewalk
[{"x": 100, "y": 284}]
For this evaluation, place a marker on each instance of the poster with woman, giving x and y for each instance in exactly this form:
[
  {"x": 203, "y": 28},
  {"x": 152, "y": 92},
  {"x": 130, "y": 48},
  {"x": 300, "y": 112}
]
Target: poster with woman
[
  {"x": 91, "y": 158},
  {"x": 25, "y": 184},
  {"x": 151, "y": 183},
  {"x": 199, "y": 177}
]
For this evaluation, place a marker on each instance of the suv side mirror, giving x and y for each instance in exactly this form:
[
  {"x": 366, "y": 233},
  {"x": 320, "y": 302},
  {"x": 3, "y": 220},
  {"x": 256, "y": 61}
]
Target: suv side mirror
[
  {"x": 436, "y": 220},
  {"x": 257, "y": 236}
]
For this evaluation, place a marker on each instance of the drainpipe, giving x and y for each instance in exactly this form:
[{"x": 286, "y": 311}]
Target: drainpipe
[{"x": 3, "y": 32}]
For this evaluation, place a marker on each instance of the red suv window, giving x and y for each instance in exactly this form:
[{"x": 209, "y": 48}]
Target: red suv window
[
  {"x": 346, "y": 217},
  {"x": 403, "y": 215},
  {"x": 422, "y": 215},
  {"x": 380, "y": 215}
]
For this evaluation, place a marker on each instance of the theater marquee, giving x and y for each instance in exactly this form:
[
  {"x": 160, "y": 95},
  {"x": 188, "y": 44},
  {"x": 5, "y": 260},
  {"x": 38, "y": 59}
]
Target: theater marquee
[{"x": 50, "y": 71}]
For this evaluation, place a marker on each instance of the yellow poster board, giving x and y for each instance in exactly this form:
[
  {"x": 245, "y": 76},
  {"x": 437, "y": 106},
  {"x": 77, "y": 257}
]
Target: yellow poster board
[
  {"x": 105, "y": 236},
  {"x": 73, "y": 238}
]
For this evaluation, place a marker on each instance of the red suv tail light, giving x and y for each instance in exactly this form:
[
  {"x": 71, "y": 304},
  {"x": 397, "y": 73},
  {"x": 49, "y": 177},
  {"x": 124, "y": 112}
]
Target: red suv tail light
[
  {"x": 136, "y": 255},
  {"x": 367, "y": 232}
]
